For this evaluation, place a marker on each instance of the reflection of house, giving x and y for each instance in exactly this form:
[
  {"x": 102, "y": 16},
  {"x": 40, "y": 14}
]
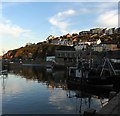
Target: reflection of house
[
  {"x": 58, "y": 80},
  {"x": 57, "y": 85}
]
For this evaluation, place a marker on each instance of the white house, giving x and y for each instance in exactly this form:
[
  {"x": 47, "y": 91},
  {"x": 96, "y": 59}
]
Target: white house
[{"x": 81, "y": 46}]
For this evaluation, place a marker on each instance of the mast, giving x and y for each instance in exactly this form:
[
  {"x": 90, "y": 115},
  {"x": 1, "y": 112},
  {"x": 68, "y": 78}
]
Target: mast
[{"x": 109, "y": 64}]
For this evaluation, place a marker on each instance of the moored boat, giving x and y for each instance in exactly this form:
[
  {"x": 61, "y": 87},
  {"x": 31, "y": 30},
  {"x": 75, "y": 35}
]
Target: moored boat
[{"x": 3, "y": 72}]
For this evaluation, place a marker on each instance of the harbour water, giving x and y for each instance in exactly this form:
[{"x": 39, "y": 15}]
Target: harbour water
[{"x": 35, "y": 90}]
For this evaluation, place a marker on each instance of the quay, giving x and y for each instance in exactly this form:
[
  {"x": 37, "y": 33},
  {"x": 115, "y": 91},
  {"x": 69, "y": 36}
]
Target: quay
[{"x": 112, "y": 108}]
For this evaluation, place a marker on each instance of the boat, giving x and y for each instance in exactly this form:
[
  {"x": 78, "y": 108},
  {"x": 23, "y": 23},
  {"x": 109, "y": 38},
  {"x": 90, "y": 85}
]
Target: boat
[
  {"x": 103, "y": 72},
  {"x": 3, "y": 72},
  {"x": 84, "y": 84},
  {"x": 75, "y": 72},
  {"x": 103, "y": 77},
  {"x": 100, "y": 86},
  {"x": 116, "y": 65},
  {"x": 49, "y": 68},
  {"x": 80, "y": 70}
]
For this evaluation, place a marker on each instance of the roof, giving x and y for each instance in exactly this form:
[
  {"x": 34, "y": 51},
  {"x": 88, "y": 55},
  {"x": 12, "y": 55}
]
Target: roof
[{"x": 68, "y": 48}]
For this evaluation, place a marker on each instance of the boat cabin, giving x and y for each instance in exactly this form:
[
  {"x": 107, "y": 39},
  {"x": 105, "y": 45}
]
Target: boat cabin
[{"x": 75, "y": 72}]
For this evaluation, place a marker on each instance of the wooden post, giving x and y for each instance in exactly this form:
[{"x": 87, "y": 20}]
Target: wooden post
[{"x": 111, "y": 95}]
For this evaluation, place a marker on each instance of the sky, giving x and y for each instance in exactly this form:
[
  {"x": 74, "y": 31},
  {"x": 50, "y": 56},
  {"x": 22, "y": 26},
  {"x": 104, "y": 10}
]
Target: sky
[{"x": 31, "y": 21}]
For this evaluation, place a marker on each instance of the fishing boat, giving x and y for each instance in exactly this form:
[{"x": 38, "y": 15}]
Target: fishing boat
[
  {"x": 75, "y": 72},
  {"x": 116, "y": 65},
  {"x": 80, "y": 70},
  {"x": 104, "y": 77},
  {"x": 49, "y": 68},
  {"x": 85, "y": 84},
  {"x": 3, "y": 72},
  {"x": 100, "y": 86}
]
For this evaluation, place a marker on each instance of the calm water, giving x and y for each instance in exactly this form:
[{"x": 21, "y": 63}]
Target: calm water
[{"x": 34, "y": 90}]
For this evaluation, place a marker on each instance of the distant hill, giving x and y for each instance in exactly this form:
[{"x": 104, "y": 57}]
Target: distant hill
[
  {"x": 33, "y": 51},
  {"x": 48, "y": 47}
]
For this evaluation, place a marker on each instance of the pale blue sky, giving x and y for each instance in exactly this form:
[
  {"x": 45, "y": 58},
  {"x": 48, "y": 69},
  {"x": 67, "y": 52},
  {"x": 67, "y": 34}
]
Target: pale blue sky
[{"x": 24, "y": 22}]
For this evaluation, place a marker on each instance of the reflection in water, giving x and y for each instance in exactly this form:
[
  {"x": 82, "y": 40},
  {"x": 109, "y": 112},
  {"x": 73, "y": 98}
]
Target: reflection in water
[
  {"x": 41, "y": 75},
  {"x": 85, "y": 100},
  {"x": 3, "y": 82},
  {"x": 36, "y": 90}
]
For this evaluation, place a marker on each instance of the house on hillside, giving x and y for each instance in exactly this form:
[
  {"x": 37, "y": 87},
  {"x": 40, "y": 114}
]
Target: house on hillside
[
  {"x": 49, "y": 39},
  {"x": 111, "y": 47},
  {"x": 104, "y": 30},
  {"x": 65, "y": 55},
  {"x": 84, "y": 32},
  {"x": 117, "y": 30},
  {"x": 105, "y": 47},
  {"x": 75, "y": 42},
  {"x": 98, "y": 48},
  {"x": 81, "y": 46},
  {"x": 68, "y": 35},
  {"x": 67, "y": 42},
  {"x": 55, "y": 41},
  {"x": 110, "y": 31},
  {"x": 96, "y": 31}
]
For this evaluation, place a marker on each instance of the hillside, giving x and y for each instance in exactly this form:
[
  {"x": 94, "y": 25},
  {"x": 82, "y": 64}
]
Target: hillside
[
  {"x": 48, "y": 47},
  {"x": 34, "y": 51}
]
